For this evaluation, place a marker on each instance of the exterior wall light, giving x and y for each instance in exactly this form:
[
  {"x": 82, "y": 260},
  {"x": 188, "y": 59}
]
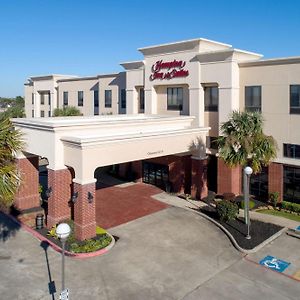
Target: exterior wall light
[
  {"x": 90, "y": 197},
  {"x": 74, "y": 197}
]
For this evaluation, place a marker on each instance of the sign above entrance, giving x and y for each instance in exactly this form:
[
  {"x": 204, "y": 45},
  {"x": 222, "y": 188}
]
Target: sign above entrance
[{"x": 168, "y": 69}]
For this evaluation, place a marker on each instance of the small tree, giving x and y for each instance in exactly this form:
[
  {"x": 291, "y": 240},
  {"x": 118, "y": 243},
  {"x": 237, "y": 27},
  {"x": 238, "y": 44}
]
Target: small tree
[
  {"x": 67, "y": 111},
  {"x": 13, "y": 112},
  {"x": 10, "y": 143},
  {"x": 244, "y": 143}
]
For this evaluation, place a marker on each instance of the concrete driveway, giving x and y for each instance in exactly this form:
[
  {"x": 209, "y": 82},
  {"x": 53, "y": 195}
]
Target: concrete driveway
[{"x": 170, "y": 254}]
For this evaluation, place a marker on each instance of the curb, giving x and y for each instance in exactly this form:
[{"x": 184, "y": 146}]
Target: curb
[
  {"x": 234, "y": 242},
  {"x": 59, "y": 249}
]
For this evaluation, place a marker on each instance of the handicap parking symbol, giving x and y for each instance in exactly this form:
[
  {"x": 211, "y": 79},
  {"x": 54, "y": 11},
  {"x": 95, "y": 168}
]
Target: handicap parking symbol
[{"x": 274, "y": 263}]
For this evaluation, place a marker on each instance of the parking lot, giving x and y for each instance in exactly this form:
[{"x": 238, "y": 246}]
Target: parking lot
[{"x": 170, "y": 254}]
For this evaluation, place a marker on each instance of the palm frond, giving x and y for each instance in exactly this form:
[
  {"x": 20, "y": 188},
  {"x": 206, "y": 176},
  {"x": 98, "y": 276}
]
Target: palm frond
[{"x": 243, "y": 141}]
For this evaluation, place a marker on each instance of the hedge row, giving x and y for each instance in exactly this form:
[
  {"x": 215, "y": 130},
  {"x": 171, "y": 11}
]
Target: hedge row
[{"x": 293, "y": 207}]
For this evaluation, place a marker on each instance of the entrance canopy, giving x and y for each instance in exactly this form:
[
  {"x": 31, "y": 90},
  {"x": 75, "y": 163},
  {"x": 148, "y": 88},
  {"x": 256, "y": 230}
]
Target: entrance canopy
[{"x": 85, "y": 143}]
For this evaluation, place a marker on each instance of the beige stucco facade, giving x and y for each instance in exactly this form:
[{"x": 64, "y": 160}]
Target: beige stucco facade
[
  {"x": 275, "y": 78},
  {"x": 56, "y": 85},
  {"x": 191, "y": 66}
]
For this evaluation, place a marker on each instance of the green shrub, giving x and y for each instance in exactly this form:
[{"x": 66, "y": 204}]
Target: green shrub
[
  {"x": 274, "y": 198},
  {"x": 52, "y": 232},
  {"x": 227, "y": 210},
  {"x": 296, "y": 208},
  {"x": 91, "y": 245},
  {"x": 40, "y": 188},
  {"x": 251, "y": 204},
  {"x": 292, "y": 207},
  {"x": 67, "y": 111},
  {"x": 100, "y": 230}
]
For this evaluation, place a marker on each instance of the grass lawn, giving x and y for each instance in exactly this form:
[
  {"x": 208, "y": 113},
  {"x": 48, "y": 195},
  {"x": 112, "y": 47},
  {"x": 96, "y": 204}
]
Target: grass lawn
[{"x": 279, "y": 213}]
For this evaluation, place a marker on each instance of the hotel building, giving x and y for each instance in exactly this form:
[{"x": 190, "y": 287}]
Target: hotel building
[{"x": 156, "y": 121}]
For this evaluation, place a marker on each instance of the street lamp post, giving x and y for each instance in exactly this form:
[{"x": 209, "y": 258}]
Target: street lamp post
[
  {"x": 247, "y": 173},
  {"x": 63, "y": 231}
]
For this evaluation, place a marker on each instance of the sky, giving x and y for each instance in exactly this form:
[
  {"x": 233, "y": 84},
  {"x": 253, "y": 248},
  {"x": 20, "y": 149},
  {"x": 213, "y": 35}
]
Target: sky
[{"x": 90, "y": 37}]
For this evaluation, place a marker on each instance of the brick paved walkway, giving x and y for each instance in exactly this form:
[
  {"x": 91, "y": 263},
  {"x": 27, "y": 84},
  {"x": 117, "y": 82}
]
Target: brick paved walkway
[{"x": 119, "y": 204}]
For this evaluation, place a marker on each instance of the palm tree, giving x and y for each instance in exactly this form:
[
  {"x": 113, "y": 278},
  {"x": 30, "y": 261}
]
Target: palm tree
[
  {"x": 10, "y": 143},
  {"x": 243, "y": 142}
]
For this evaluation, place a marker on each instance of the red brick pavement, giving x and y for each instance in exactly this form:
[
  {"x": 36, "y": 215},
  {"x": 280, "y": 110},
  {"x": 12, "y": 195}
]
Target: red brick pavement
[{"x": 116, "y": 205}]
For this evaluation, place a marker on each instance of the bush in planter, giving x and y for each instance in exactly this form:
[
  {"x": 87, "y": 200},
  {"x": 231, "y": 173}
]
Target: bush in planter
[
  {"x": 292, "y": 207},
  {"x": 251, "y": 204},
  {"x": 227, "y": 210},
  {"x": 274, "y": 198}
]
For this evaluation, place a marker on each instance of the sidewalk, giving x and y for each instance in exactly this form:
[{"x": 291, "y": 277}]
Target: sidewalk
[
  {"x": 192, "y": 204},
  {"x": 271, "y": 219}
]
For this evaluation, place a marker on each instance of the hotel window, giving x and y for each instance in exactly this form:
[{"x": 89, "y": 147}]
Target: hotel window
[
  {"x": 32, "y": 113},
  {"x": 142, "y": 99},
  {"x": 253, "y": 98},
  {"x": 291, "y": 184},
  {"x": 32, "y": 98},
  {"x": 175, "y": 98},
  {"x": 96, "y": 102},
  {"x": 49, "y": 113},
  {"x": 66, "y": 98},
  {"x": 291, "y": 150},
  {"x": 42, "y": 98},
  {"x": 211, "y": 98},
  {"x": 123, "y": 98},
  {"x": 295, "y": 99},
  {"x": 80, "y": 98},
  {"x": 42, "y": 114},
  {"x": 107, "y": 99},
  {"x": 49, "y": 99}
]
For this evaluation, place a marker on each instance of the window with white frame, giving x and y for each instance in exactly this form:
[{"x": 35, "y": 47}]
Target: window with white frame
[
  {"x": 175, "y": 98},
  {"x": 253, "y": 98},
  {"x": 107, "y": 100}
]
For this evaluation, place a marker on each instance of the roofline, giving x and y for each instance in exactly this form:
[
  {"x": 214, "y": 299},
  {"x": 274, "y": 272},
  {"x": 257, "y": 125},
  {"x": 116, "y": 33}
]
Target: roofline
[
  {"x": 89, "y": 77},
  {"x": 133, "y": 65},
  {"x": 49, "y": 76},
  {"x": 184, "y": 41},
  {"x": 272, "y": 61},
  {"x": 131, "y": 62},
  {"x": 230, "y": 50},
  {"x": 248, "y": 52}
]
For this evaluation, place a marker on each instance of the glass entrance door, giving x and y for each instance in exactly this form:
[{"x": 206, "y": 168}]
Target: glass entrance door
[{"x": 155, "y": 174}]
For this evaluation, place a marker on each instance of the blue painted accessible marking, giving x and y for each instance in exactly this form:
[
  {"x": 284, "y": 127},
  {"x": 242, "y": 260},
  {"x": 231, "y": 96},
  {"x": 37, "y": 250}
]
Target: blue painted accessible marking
[
  {"x": 297, "y": 228},
  {"x": 274, "y": 263}
]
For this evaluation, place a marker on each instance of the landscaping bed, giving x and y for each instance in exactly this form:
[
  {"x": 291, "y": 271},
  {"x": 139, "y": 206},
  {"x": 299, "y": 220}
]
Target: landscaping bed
[
  {"x": 259, "y": 231},
  {"x": 100, "y": 241}
]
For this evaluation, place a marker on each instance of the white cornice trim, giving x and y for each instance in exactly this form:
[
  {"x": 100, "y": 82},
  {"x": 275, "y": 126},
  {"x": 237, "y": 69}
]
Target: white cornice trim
[
  {"x": 92, "y": 142},
  {"x": 271, "y": 62}
]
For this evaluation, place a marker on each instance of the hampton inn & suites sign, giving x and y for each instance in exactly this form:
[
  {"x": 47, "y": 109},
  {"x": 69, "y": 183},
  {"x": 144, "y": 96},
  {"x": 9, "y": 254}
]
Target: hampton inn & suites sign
[{"x": 168, "y": 69}]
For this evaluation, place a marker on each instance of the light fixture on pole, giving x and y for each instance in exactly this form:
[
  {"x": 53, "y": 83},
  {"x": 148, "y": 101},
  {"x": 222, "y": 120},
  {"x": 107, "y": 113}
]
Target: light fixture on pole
[
  {"x": 247, "y": 173},
  {"x": 63, "y": 231}
]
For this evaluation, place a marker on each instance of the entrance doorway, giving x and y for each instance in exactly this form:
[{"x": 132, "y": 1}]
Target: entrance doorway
[
  {"x": 156, "y": 174},
  {"x": 212, "y": 173}
]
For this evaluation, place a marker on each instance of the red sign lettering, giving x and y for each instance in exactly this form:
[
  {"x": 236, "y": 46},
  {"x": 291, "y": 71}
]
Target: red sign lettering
[{"x": 173, "y": 69}]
